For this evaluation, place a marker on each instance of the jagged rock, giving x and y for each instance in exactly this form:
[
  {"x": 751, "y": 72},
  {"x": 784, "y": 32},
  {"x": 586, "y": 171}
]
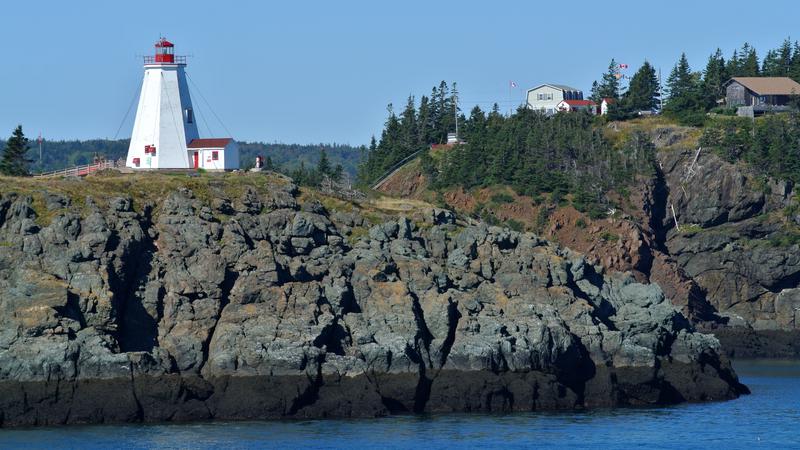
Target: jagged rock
[
  {"x": 730, "y": 258},
  {"x": 173, "y": 313}
]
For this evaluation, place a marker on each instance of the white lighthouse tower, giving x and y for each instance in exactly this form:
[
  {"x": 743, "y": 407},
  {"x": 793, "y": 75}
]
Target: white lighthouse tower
[{"x": 165, "y": 122}]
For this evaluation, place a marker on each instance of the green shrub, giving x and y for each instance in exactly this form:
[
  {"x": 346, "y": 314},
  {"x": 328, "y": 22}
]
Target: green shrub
[
  {"x": 542, "y": 219},
  {"x": 501, "y": 198},
  {"x": 515, "y": 225}
]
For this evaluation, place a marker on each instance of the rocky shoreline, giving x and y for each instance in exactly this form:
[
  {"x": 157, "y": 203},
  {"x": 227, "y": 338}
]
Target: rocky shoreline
[{"x": 260, "y": 302}]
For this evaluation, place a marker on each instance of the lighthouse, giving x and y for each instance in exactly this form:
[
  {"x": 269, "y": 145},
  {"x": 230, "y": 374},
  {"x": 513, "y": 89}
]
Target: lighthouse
[{"x": 165, "y": 132}]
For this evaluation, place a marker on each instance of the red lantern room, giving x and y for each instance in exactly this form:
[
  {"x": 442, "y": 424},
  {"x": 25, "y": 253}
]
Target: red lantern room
[{"x": 165, "y": 51}]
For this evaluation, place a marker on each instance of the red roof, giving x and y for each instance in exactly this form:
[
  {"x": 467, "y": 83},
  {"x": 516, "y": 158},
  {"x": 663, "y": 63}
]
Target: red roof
[
  {"x": 210, "y": 143},
  {"x": 608, "y": 100},
  {"x": 164, "y": 43},
  {"x": 579, "y": 102}
]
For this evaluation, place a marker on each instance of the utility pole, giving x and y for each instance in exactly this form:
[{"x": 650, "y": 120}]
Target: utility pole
[{"x": 40, "y": 149}]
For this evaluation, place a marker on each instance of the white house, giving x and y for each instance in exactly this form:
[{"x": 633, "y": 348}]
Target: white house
[
  {"x": 546, "y": 97},
  {"x": 577, "y": 105},
  {"x": 214, "y": 154}
]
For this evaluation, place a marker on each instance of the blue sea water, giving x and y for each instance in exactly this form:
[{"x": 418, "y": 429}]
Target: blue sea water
[{"x": 769, "y": 418}]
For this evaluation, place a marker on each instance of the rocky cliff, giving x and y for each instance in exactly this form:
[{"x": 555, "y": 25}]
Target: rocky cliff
[
  {"x": 159, "y": 297},
  {"x": 732, "y": 265},
  {"x": 738, "y": 242}
]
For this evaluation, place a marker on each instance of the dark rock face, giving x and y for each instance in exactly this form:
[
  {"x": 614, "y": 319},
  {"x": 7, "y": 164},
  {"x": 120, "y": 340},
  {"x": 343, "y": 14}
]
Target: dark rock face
[
  {"x": 729, "y": 246},
  {"x": 260, "y": 307},
  {"x": 730, "y": 267}
]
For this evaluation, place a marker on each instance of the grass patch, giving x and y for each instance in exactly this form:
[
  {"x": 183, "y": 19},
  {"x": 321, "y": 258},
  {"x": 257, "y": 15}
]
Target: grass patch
[
  {"x": 141, "y": 188},
  {"x": 607, "y": 236},
  {"x": 690, "y": 229}
]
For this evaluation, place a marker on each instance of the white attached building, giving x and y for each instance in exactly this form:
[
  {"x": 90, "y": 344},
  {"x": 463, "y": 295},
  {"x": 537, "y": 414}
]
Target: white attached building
[
  {"x": 545, "y": 98},
  {"x": 604, "y": 105},
  {"x": 214, "y": 154}
]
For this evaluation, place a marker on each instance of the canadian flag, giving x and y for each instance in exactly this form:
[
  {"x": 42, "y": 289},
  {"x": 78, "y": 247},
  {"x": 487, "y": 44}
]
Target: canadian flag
[
  {"x": 623, "y": 66},
  {"x": 513, "y": 85}
]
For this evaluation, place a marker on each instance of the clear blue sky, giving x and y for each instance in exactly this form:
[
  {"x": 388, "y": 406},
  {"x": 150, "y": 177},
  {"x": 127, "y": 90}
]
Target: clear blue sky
[{"x": 324, "y": 71}]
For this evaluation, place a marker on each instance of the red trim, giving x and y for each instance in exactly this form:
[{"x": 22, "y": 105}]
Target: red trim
[
  {"x": 196, "y": 159},
  {"x": 579, "y": 102}
]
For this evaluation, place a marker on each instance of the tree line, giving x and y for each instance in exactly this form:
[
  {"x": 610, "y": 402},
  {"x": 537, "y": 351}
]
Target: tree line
[
  {"x": 414, "y": 130},
  {"x": 537, "y": 154},
  {"x": 533, "y": 153},
  {"x": 770, "y": 145},
  {"x": 688, "y": 95}
]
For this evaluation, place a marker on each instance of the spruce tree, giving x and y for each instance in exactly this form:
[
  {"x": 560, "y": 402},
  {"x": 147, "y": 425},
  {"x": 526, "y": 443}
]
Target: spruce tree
[
  {"x": 594, "y": 94},
  {"x": 609, "y": 85},
  {"x": 749, "y": 63},
  {"x": 643, "y": 90},
  {"x": 324, "y": 165},
  {"x": 770, "y": 67},
  {"x": 684, "y": 101},
  {"x": 785, "y": 57},
  {"x": 14, "y": 162},
  {"x": 714, "y": 77},
  {"x": 794, "y": 64},
  {"x": 734, "y": 65}
]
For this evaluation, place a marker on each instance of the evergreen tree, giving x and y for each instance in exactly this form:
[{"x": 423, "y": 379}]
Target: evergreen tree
[
  {"x": 324, "y": 165},
  {"x": 14, "y": 161},
  {"x": 338, "y": 173},
  {"x": 424, "y": 123},
  {"x": 609, "y": 84},
  {"x": 714, "y": 77},
  {"x": 408, "y": 121},
  {"x": 594, "y": 94},
  {"x": 684, "y": 101},
  {"x": 643, "y": 90},
  {"x": 734, "y": 65},
  {"x": 772, "y": 66},
  {"x": 794, "y": 64},
  {"x": 785, "y": 57},
  {"x": 749, "y": 63}
]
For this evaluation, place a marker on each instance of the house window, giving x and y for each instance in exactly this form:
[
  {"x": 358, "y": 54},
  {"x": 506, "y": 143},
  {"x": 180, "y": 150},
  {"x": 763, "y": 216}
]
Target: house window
[
  {"x": 541, "y": 96},
  {"x": 214, "y": 155},
  {"x": 189, "y": 115}
]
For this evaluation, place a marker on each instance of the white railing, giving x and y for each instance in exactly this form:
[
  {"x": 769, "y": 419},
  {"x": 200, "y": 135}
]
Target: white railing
[{"x": 78, "y": 171}]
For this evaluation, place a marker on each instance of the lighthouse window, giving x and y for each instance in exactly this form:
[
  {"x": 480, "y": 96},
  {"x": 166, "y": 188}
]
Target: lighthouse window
[{"x": 189, "y": 115}]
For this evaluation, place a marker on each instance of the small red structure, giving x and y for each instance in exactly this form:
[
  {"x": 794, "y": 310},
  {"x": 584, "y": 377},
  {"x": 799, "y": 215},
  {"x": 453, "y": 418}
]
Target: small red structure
[{"x": 165, "y": 51}]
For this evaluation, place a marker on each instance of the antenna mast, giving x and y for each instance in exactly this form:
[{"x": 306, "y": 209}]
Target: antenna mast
[{"x": 455, "y": 110}]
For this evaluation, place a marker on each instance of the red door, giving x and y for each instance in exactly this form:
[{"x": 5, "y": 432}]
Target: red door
[{"x": 196, "y": 158}]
